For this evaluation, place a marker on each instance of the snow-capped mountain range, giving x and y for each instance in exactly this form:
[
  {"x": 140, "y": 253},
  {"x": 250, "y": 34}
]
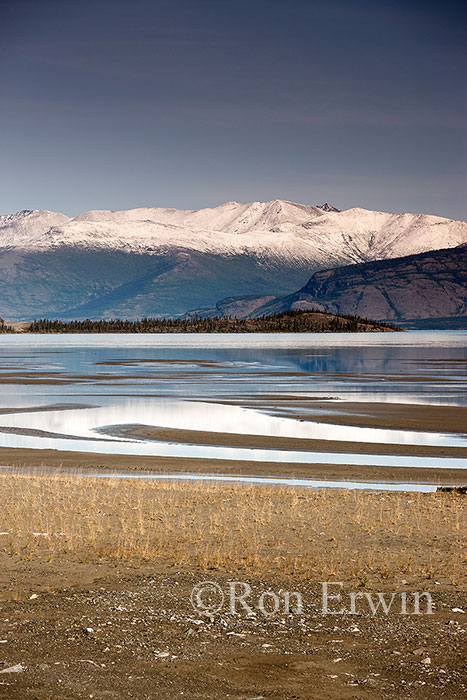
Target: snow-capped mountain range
[
  {"x": 156, "y": 261},
  {"x": 271, "y": 228}
]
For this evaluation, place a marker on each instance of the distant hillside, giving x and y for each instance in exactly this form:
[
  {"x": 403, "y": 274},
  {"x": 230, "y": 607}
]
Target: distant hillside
[
  {"x": 287, "y": 322},
  {"x": 163, "y": 262},
  {"x": 416, "y": 289}
]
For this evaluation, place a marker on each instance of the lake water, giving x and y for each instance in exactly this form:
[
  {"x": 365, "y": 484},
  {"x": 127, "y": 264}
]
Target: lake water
[
  {"x": 92, "y": 384},
  {"x": 231, "y": 479}
]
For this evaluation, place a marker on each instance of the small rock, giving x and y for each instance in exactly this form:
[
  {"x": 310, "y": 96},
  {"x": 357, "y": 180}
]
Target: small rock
[
  {"x": 14, "y": 669},
  {"x": 426, "y": 661},
  {"x": 33, "y": 596},
  {"x": 459, "y": 610}
]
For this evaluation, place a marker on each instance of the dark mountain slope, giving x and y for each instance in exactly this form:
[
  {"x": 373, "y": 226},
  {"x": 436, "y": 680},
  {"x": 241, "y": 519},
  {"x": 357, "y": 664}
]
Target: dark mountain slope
[
  {"x": 69, "y": 282},
  {"x": 428, "y": 286}
]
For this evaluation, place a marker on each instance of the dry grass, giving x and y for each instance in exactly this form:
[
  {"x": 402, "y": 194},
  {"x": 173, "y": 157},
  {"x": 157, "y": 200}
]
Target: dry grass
[{"x": 351, "y": 535}]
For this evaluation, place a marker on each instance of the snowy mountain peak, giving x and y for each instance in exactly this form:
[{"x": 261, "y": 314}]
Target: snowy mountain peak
[
  {"x": 28, "y": 226},
  {"x": 274, "y": 230}
]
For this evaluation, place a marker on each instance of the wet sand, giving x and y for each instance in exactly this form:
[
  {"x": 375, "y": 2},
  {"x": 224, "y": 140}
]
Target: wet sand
[
  {"x": 89, "y": 461},
  {"x": 362, "y": 414},
  {"x": 204, "y": 437},
  {"x": 49, "y": 407},
  {"x": 440, "y": 419},
  {"x": 60, "y": 378},
  {"x": 366, "y": 414}
]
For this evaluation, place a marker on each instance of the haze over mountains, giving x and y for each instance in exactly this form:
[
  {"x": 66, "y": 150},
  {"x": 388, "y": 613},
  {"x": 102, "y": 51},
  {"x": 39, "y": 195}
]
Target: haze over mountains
[{"x": 165, "y": 262}]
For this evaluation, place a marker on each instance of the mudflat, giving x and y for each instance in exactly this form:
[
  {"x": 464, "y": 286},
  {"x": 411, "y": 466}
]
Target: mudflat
[
  {"x": 362, "y": 414},
  {"x": 366, "y": 414},
  {"x": 89, "y": 461},
  {"x": 204, "y": 437}
]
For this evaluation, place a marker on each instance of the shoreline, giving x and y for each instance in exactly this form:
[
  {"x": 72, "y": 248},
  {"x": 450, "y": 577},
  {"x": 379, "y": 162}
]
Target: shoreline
[
  {"x": 364, "y": 414},
  {"x": 48, "y": 458},
  {"x": 211, "y": 438}
]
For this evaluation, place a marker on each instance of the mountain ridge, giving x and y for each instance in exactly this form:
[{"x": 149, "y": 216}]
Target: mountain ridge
[
  {"x": 163, "y": 262},
  {"x": 423, "y": 287},
  {"x": 356, "y": 231}
]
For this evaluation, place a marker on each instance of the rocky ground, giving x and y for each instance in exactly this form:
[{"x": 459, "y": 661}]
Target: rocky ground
[{"x": 132, "y": 634}]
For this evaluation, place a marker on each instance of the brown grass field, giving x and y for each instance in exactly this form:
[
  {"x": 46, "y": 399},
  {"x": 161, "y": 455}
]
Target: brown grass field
[
  {"x": 357, "y": 536},
  {"x": 96, "y": 576}
]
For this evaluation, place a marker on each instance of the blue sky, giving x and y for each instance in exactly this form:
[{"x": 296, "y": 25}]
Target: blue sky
[{"x": 112, "y": 104}]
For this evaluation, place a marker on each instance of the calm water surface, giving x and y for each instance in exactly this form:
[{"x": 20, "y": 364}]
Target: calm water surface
[{"x": 181, "y": 381}]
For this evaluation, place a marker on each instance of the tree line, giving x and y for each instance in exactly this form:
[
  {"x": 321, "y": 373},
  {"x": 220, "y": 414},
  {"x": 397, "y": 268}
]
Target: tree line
[
  {"x": 297, "y": 321},
  {"x": 4, "y": 328}
]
